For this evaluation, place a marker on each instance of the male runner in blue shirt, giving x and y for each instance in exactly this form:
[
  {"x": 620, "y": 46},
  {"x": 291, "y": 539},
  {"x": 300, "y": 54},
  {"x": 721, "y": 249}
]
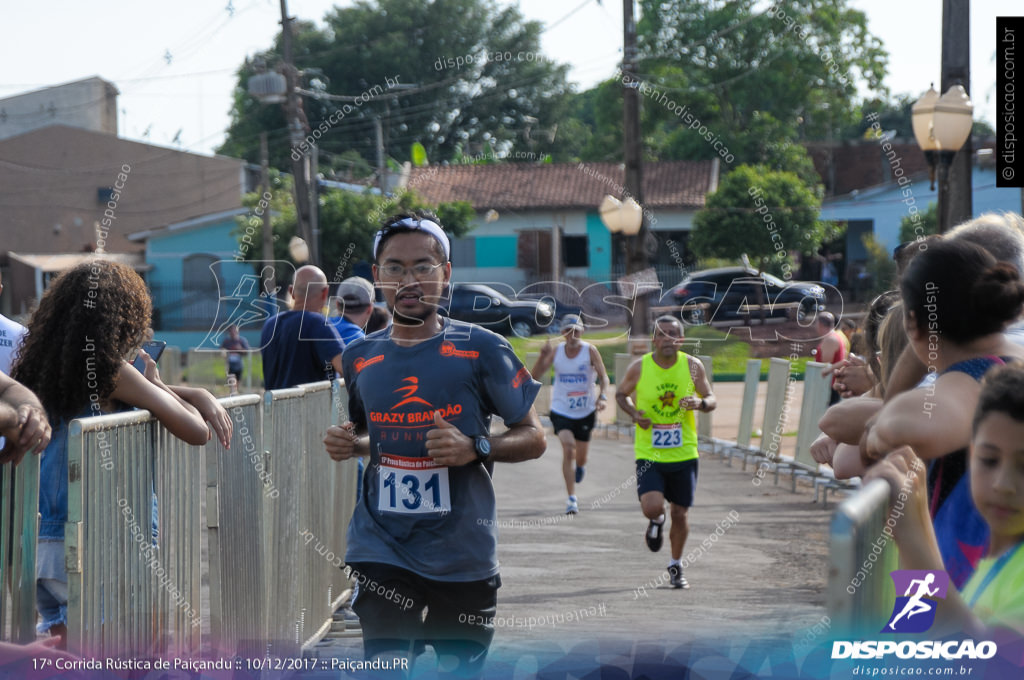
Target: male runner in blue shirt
[{"x": 421, "y": 396}]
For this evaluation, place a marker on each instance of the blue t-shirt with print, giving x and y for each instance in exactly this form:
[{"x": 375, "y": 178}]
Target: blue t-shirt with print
[{"x": 438, "y": 522}]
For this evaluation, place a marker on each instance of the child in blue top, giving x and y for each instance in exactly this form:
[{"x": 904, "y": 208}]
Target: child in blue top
[{"x": 991, "y": 604}]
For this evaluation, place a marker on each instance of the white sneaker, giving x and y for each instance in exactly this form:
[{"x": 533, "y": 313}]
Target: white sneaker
[{"x": 572, "y": 508}]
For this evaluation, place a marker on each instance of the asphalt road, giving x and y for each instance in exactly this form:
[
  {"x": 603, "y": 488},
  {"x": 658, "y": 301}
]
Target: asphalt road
[{"x": 756, "y": 560}]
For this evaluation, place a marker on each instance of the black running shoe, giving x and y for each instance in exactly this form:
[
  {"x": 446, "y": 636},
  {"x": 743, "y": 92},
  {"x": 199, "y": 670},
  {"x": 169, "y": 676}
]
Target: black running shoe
[
  {"x": 653, "y": 535},
  {"x": 675, "y": 577}
]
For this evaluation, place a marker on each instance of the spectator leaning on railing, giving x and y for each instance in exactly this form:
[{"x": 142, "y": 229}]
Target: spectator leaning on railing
[
  {"x": 957, "y": 301},
  {"x": 75, "y": 355},
  {"x": 991, "y": 604}
]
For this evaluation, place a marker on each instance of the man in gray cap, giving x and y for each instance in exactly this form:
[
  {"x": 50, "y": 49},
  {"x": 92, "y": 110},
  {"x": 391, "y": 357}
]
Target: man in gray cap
[
  {"x": 355, "y": 302},
  {"x": 577, "y": 365}
]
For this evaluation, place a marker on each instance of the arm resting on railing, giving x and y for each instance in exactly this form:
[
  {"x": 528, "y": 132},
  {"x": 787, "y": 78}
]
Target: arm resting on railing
[
  {"x": 183, "y": 421},
  {"x": 915, "y": 536},
  {"x": 932, "y": 421},
  {"x": 845, "y": 422},
  {"x": 209, "y": 408}
]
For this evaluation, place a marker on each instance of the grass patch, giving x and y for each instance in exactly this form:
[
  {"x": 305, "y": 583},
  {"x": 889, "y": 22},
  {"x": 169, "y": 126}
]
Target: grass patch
[
  {"x": 728, "y": 354},
  {"x": 209, "y": 370}
]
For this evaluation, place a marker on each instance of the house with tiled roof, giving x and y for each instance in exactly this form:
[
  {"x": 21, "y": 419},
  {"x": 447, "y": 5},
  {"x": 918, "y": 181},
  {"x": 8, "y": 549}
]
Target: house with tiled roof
[{"x": 540, "y": 221}]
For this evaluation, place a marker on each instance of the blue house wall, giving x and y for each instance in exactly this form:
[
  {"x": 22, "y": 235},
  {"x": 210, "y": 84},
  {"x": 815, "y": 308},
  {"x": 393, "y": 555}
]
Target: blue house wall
[
  {"x": 193, "y": 301},
  {"x": 886, "y": 206}
]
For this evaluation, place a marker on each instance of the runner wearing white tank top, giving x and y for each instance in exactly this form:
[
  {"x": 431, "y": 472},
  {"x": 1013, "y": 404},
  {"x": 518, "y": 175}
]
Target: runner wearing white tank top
[{"x": 574, "y": 404}]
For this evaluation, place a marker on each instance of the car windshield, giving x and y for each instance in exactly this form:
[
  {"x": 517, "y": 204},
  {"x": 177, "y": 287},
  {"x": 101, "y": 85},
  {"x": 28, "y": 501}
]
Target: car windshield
[{"x": 486, "y": 291}]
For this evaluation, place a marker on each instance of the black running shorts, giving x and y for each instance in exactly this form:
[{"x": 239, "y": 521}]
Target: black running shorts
[
  {"x": 580, "y": 427},
  {"x": 459, "y": 614},
  {"x": 676, "y": 481}
]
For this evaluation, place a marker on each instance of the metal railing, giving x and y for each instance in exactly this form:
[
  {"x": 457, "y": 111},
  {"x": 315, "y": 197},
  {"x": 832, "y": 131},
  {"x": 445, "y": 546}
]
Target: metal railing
[
  {"x": 750, "y": 383},
  {"x": 775, "y": 408},
  {"x": 237, "y": 490},
  {"x": 19, "y": 510},
  {"x": 812, "y": 408},
  {"x": 861, "y": 555},
  {"x": 132, "y": 538},
  {"x": 317, "y": 496},
  {"x": 136, "y": 509}
]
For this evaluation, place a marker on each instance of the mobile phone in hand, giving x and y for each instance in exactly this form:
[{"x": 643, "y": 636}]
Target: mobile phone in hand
[{"x": 153, "y": 348}]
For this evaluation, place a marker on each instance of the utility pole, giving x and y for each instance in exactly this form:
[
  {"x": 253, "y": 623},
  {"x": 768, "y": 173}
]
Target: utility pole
[
  {"x": 955, "y": 200},
  {"x": 269, "y": 284},
  {"x": 381, "y": 180},
  {"x": 296, "y": 128},
  {"x": 314, "y": 200},
  {"x": 636, "y": 257}
]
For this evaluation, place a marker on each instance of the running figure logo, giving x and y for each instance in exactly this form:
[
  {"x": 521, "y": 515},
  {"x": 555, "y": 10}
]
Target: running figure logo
[
  {"x": 914, "y": 612},
  {"x": 408, "y": 391}
]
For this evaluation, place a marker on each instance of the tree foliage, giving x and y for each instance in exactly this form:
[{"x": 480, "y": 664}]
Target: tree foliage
[
  {"x": 472, "y": 72},
  {"x": 758, "y": 80},
  {"x": 347, "y": 221},
  {"x": 926, "y": 224},
  {"x": 880, "y": 267},
  {"x": 764, "y": 213}
]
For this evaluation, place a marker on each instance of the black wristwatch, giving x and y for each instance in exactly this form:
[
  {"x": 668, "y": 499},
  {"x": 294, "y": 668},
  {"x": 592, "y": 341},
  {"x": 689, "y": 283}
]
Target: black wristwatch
[
  {"x": 483, "y": 448},
  {"x": 703, "y": 404}
]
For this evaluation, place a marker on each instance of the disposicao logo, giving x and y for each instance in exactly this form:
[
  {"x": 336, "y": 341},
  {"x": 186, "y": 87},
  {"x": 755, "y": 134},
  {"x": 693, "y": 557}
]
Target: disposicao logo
[{"x": 914, "y": 612}]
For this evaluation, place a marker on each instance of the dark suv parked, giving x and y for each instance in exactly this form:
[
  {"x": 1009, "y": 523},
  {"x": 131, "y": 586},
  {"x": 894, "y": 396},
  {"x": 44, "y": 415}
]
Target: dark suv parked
[
  {"x": 735, "y": 292},
  {"x": 485, "y": 306}
]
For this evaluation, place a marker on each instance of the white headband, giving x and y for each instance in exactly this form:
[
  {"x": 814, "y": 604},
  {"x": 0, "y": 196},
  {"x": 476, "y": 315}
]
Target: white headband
[{"x": 428, "y": 226}]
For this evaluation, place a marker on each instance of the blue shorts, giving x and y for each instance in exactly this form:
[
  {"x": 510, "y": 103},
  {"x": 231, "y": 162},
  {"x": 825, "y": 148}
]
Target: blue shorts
[{"x": 675, "y": 481}]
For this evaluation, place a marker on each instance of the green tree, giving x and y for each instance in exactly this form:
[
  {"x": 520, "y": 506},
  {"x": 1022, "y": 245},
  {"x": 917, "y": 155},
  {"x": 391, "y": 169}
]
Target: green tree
[
  {"x": 797, "y": 60},
  {"x": 890, "y": 115},
  {"x": 926, "y": 224},
  {"x": 880, "y": 266},
  {"x": 763, "y": 213},
  {"x": 348, "y": 222},
  {"x": 759, "y": 80},
  {"x": 472, "y": 72}
]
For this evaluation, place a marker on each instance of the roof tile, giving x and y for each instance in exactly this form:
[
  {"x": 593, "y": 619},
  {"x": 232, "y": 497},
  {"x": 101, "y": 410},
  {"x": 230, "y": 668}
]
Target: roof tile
[{"x": 527, "y": 186}]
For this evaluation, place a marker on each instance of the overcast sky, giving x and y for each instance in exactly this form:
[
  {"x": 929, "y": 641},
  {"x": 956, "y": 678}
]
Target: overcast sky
[{"x": 174, "y": 62}]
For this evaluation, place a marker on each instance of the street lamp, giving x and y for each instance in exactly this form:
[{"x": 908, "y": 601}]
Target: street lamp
[
  {"x": 298, "y": 249},
  {"x": 941, "y": 126},
  {"x": 624, "y": 217},
  {"x": 627, "y": 218}
]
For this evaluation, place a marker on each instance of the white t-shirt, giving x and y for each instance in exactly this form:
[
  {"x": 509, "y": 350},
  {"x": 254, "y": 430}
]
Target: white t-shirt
[
  {"x": 572, "y": 395},
  {"x": 10, "y": 337}
]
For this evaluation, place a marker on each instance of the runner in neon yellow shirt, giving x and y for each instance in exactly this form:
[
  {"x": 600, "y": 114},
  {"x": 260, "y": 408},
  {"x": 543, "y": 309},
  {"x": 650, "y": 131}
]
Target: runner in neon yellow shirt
[{"x": 669, "y": 386}]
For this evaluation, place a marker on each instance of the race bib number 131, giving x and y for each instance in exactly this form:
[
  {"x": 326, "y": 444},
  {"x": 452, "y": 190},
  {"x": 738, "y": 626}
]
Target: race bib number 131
[{"x": 412, "y": 486}]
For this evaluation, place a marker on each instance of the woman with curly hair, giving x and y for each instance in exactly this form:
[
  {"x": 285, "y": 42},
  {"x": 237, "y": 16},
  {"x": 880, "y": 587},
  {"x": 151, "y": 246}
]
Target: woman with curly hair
[{"x": 74, "y": 357}]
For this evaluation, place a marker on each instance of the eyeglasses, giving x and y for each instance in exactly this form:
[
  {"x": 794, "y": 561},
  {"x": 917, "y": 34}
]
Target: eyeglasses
[{"x": 393, "y": 270}]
